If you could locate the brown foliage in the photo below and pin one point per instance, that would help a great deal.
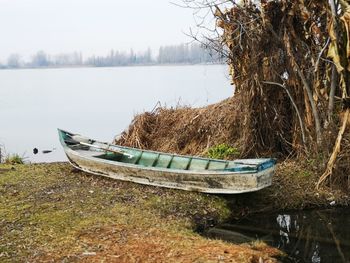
(289, 43)
(280, 43)
(184, 130)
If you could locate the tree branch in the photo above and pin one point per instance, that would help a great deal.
(301, 123)
(312, 102)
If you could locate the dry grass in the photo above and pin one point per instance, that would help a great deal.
(50, 213)
(183, 130)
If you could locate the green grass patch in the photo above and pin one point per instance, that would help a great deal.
(14, 159)
(222, 151)
(46, 208)
(304, 174)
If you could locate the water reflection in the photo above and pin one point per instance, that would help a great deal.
(307, 236)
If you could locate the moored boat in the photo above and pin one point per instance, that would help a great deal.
(165, 169)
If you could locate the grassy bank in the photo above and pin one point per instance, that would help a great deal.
(49, 212)
(293, 188)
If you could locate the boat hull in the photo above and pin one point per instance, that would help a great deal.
(206, 182)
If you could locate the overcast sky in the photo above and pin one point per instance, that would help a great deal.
(90, 26)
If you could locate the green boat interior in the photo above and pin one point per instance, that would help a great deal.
(161, 160)
(178, 162)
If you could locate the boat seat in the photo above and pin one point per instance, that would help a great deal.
(147, 159)
(136, 155)
(198, 164)
(163, 160)
(179, 162)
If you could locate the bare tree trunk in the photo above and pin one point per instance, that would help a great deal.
(334, 69)
(332, 94)
(312, 103)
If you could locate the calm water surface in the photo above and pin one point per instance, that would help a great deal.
(318, 236)
(96, 102)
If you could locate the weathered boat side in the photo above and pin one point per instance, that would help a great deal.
(207, 181)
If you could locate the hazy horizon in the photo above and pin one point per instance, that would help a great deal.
(90, 26)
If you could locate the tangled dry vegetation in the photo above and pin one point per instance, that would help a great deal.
(290, 59)
(183, 130)
(290, 68)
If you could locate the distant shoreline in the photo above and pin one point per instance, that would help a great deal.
(119, 66)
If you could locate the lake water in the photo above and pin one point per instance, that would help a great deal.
(96, 102)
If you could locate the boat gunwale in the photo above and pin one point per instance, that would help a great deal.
(172, 154)
(146, 181)
(183, 155)
(255, 173)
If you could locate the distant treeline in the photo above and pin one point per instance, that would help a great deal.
(176, 54)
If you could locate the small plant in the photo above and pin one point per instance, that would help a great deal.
(14, 159)
(304, 174)
(222, 151)
(1, 153)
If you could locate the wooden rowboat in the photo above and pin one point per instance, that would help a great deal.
(165, 169)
